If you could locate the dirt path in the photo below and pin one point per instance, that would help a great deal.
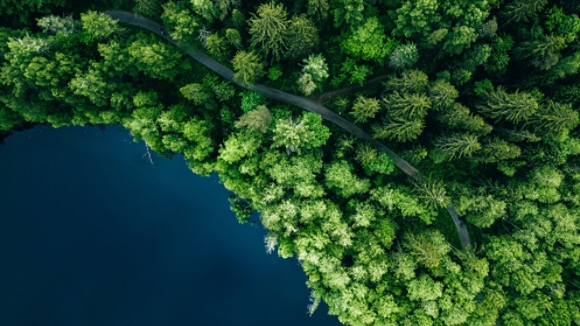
(305, 103)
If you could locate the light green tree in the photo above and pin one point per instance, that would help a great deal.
(269, 30)
(257, 120)
(248, 67)
(365, 108)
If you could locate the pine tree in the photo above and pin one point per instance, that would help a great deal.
(516, 107)
(411, 81)
(399, 129)
(498, 150)
(318, 9)
(248, 67)
(365, 108)
(442, 94)
(407, 106)
(425, 250)
(404, 56)
(234, 38)
(459, 116)
(217, 47)
(269, 30)
(456, 146)
(366, 154)
(196, 93)
(432, 192)
(301, 38)
(555, 120)
(523, 10)
(99, 26)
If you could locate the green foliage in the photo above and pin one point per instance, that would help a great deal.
(516, 107)
(407, 106)
(315, 65)
(411, 81)
(242, 209)
(195, 93)
(455, 146)
(488, 112)
(257, 120)
(248, 67)
(234, 37)
(251, 100)
(99, 26)
(523, 10)
(367, 42)
(269, 30)
(217, 47)
(399, 129)
(318, 9)
(365, 108)
(339, 177)
(182, 23)
(274, 73)
(458, 116)
(61, 25)
(404, 56)
(302, 37)
(307, 132)
(9, 119)
(349, 12)
(306, 84)
(156, 58)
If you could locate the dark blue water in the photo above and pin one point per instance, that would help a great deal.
(92, 234)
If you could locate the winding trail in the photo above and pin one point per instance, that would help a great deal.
(312, 105)
(322, 97)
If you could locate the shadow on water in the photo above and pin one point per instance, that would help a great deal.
(92, 234)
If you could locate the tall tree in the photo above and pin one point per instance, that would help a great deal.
(269, 30)
(248, 67)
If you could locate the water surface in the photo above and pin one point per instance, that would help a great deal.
(92, 234)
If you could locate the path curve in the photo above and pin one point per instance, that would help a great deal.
(302, 102)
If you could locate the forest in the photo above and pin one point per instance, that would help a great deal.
(419, 158)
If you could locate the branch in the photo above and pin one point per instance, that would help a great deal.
(148, 153)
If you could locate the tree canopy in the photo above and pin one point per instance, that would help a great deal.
(481, 97)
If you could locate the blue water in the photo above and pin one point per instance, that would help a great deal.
(92, 234)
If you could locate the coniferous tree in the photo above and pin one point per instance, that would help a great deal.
(217, 47)
(456, 146)
(365, 108)
(399, 129)
(516, 107)
(248, 67)
(407, 106)
(459, 116)
(431, 191)
(404, 56)
(442, 94)
(269, 30)
(301, 38)
(234, 38)
(523, 10)
(555, 120)
(411, 81)
(318, 9)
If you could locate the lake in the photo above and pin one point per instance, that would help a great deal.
(93, 234)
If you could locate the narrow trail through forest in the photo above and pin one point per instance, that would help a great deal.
(310, 104)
